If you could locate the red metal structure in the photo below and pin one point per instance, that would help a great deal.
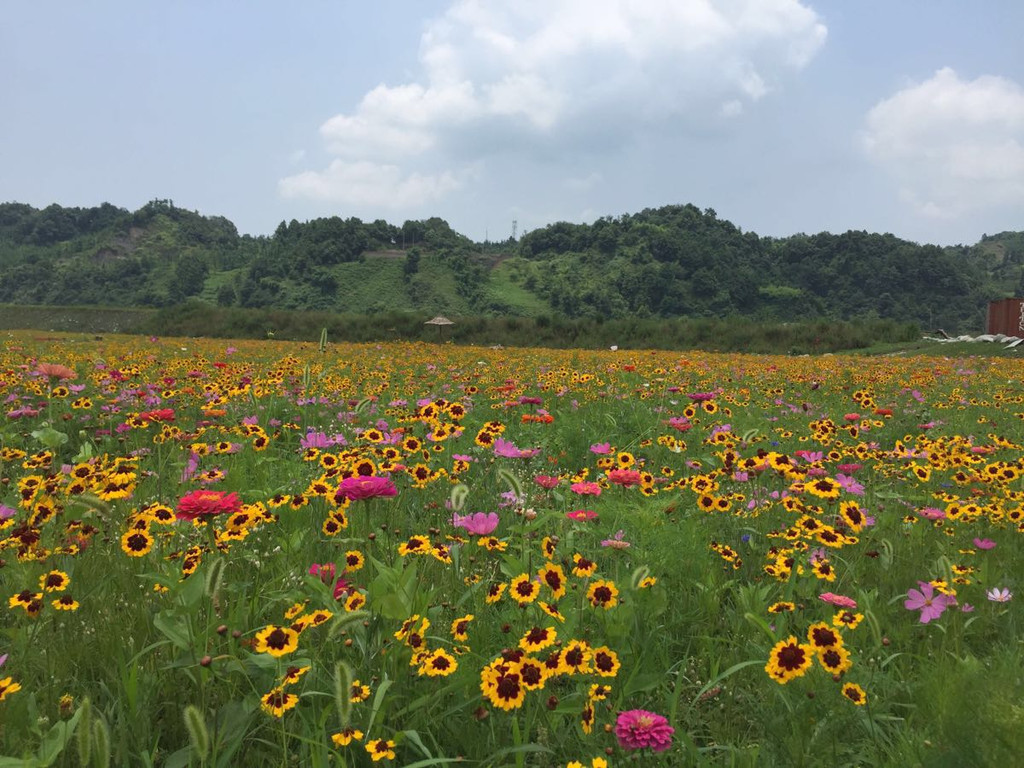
(1006, 316)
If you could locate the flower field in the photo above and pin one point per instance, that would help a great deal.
(269, 553)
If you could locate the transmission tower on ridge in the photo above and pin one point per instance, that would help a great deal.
(515, 227)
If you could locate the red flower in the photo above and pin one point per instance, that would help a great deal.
(359, 488)
(207, 503)
(582, 515)
(624, 477)
(160, 414)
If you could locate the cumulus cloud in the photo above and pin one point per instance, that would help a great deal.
(952, 145)
(363, 182)
(558, 78)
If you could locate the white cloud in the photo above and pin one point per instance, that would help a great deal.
(365, 183)
(560, 78)
(952, 145)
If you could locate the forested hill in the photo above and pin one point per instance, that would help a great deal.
(670, 261)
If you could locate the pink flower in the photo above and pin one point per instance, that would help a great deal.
(207, 503)
(984, 543)
(478, 524)
(6, 512)
(56, 371)
(680, 422)
(850, 485)
(582, 515)
(997, 595)
(849, 469)
(640, 729)
(624, 477)
(342, 588)
(617, 542)
(546, 481)
(325, 571)
(700, 397)
(360, 488)
(838, 600)
(932, 513)
(586, 489)
(601, 448)
(926, 600)
(507, 449)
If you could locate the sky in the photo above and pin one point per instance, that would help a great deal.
(784, 116)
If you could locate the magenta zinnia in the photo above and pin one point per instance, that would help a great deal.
(361, 487)
(207, 503)
(640, 729)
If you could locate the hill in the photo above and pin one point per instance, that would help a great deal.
(673, 261)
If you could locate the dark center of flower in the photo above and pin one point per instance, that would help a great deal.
(791, 657)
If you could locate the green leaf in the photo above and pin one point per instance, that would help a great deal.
(174, 628)
(414, 737)
(56, 739)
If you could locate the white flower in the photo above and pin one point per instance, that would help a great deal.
(997, 595)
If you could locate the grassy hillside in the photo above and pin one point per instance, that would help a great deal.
(672, 262)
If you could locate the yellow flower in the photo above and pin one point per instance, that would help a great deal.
(381, 749)
(346, 737)
(277, 641)
(277, 702)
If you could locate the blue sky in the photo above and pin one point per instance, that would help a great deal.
(783, 115)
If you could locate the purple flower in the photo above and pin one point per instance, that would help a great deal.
(359, 488)
(984, 543)
(601, 448)
(478, 524)
(931, 604)
(321, 440)
(6, 512)
(507, 449)
(850, 485)
(640, 729)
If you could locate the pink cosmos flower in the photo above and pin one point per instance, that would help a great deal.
(507, 449)
(850, 485)
(931, 604)
(848, 469)
(601, 448)
(360, 488)
(840, 601)
(478, 524)
(984, 543)
(997, 595)
(582, 515)
(640, 729)
(680, 422)
(321, 440)
(6, 512)
(932, 513)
